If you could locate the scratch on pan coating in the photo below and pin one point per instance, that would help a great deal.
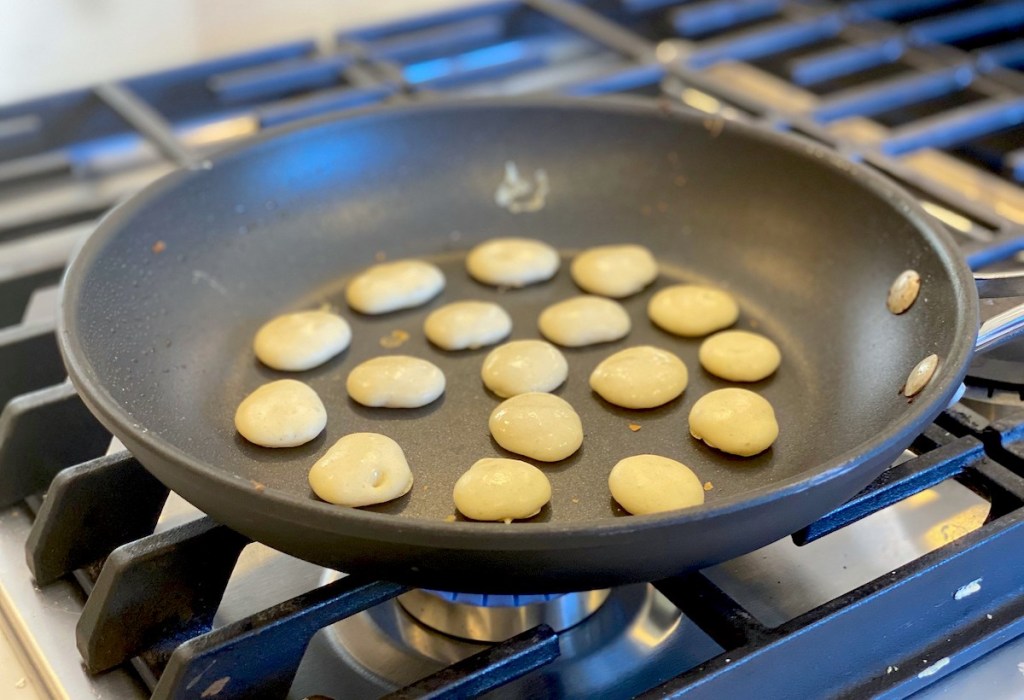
(1020, 667)
(518, 194)
(216, 286)
(202, 673)
(934, 668)
(214, 688)
(968, 589)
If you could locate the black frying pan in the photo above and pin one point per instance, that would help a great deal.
(161, 304)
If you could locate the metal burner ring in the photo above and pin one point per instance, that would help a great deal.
(491, 622)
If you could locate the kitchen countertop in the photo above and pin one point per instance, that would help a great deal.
(14, 682)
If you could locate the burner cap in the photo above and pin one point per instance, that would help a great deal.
(490, 600)
(494, 618)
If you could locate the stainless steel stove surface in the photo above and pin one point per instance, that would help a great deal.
(913, 587)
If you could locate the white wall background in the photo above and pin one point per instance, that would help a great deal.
(51, 45)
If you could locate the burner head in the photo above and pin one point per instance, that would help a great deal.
(495, 618)
(636, 637)
(488, 600)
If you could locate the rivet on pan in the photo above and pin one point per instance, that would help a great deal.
(903, 292)
(920, 375)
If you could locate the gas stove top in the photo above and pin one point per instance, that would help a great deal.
(900, 591)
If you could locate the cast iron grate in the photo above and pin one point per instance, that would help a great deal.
(857, 67)
(153, 596)
(901, 98)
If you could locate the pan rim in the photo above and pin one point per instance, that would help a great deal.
(352, 522)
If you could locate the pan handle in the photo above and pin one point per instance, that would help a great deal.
(1009, 324)
(1000, 329)
(999, 285)
(1003, 327)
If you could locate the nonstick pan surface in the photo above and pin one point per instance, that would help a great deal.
(160, 307)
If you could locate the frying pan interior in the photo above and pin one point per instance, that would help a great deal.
(162, 306)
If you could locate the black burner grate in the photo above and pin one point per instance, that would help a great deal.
(835, 72)
(153, 598)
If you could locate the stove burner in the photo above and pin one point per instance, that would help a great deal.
(490, 600)
(1000, 371)
(496, 618)
(635, 634)
(816, 70)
